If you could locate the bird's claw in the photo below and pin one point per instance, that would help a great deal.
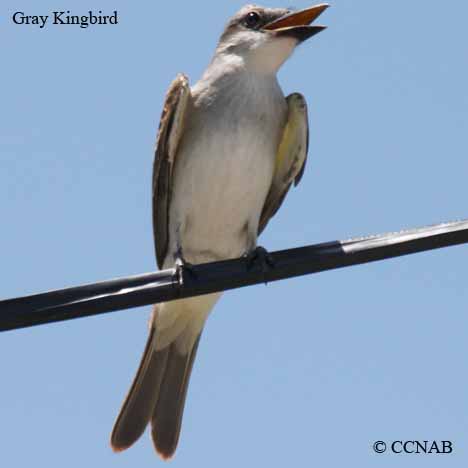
(260, 256)
(182, 266)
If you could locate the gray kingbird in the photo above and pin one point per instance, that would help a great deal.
(227, 152)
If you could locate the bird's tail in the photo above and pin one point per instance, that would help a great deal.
(158, 392)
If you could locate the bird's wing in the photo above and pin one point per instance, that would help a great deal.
(290, 159)
(169, 134)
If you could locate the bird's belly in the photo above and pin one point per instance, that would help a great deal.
(220, 188)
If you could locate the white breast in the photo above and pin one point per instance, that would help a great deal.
(224, 168)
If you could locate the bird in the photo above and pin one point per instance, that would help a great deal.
(227, 152)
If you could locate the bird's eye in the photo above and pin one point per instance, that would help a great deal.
(252, 20)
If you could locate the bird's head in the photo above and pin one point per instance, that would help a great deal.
(266, 37)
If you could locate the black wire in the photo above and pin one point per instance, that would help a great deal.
(151, 288)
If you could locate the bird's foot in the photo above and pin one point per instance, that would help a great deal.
(261, 257)
(182, 266)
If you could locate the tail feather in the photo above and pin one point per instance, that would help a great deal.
(158, 395)
(142, 397)
(167, 415)
(158, 392)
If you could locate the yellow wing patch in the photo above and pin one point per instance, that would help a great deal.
(290, 159)
(292, 151)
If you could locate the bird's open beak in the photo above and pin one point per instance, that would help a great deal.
(298, 23)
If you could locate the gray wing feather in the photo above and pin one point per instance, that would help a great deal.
(169, 134)
(291, 158)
